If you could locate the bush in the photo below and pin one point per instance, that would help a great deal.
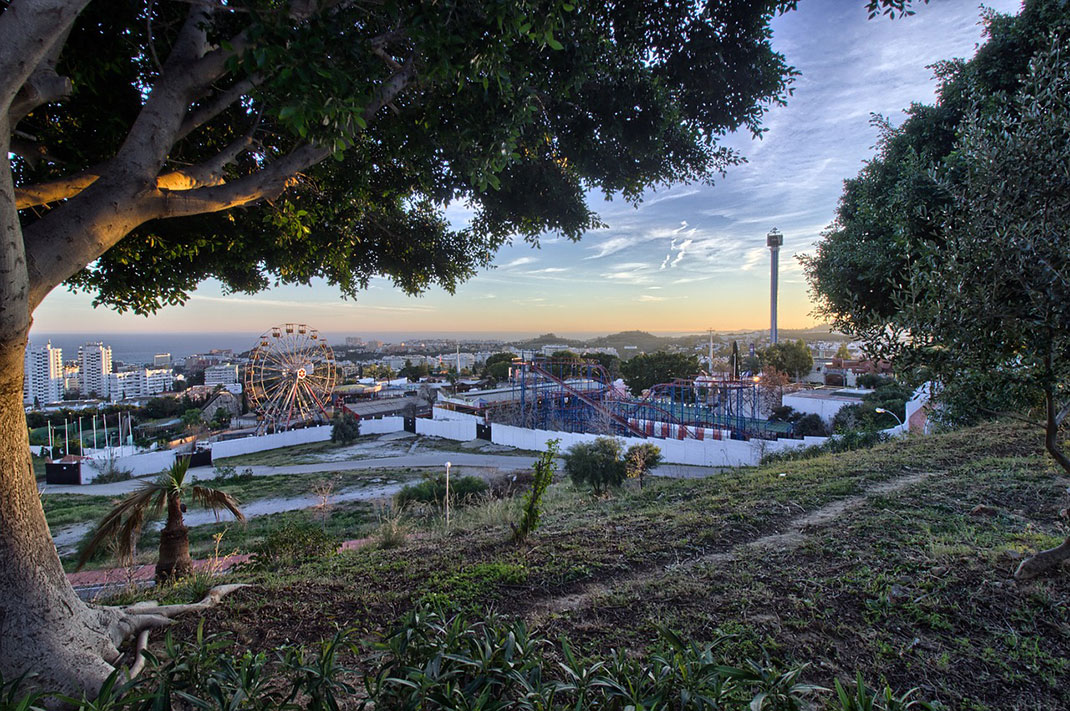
(845, 442)
(112, 473)
(230, 473)
(345, 427)
(811, 426)
(432, 490)
(293, 542)
(597, 464)
(640, 459)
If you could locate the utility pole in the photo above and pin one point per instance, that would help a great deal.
(774, 240)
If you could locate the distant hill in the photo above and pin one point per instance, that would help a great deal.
(629, 343)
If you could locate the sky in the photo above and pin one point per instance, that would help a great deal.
(690, 257)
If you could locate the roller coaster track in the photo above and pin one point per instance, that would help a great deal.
(602, 409)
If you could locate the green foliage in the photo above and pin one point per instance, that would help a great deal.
(345, 427)
(542, 476)
(791, 357)
(811, 425)
(432, 490)
(497, 366)
(598, 464)
(294, 542)
(229, 474)
(608, 361)
(493, 123)
(843, 442)
(953, 234)
(648, 369)
(112, 473)
(414, 372)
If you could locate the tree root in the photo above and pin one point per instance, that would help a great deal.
(1043, 561)
(139, 619)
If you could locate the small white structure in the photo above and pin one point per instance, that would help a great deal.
(823, 403)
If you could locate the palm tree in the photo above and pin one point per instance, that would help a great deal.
(123, 523)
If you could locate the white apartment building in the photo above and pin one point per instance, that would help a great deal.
(161, 360)
(42, 378)
(221, 375)
(158, 380)
(139, 382)
(94, 367)
(126, 384)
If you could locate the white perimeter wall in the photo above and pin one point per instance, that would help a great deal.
(706, 453)
(462, 427)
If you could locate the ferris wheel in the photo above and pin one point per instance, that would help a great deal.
(290, 377)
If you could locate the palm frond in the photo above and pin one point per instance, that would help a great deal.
(123, 523)
(216, 500)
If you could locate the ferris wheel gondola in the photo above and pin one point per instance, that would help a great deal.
(290, 377)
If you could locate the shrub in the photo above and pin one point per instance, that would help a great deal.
(597, 464)
(293, 542)
(543, 471)
(345, 427)
(230, 473)
(811, 426)
(112, 473)
(432, 490)
(845, 442)
(640, 459)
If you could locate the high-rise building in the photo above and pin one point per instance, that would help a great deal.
(161, 360)
(42, 379)
(94, 367)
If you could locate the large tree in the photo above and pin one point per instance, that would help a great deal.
(144, 134)
(981, 292)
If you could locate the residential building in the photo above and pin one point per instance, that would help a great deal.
(221, 375)
(161, 360)
(126, 384)
(94, 367)
(158, 380)
(42, 379)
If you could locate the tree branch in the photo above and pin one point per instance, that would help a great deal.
(30, 31)
(215, 106)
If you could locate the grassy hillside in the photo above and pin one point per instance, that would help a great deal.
(894, 562)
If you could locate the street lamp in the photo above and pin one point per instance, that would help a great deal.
(447, 496)
(883, 412)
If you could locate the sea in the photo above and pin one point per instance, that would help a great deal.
(139, 348)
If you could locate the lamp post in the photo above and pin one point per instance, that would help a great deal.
(447, 496)
(889, 412)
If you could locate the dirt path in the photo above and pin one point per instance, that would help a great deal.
(791, 538)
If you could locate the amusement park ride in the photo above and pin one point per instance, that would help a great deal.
(573, 396)
(290, 378)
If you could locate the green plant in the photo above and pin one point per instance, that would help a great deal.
(432, 490)
(293, 542)
(597, 464)
(112, 472)
(392, 531)
(345, 427)
(230, 473)
(543, 471)
(124, 522)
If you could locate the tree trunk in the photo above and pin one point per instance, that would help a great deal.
(175, 561)
(1053, 557)
(44, 626)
